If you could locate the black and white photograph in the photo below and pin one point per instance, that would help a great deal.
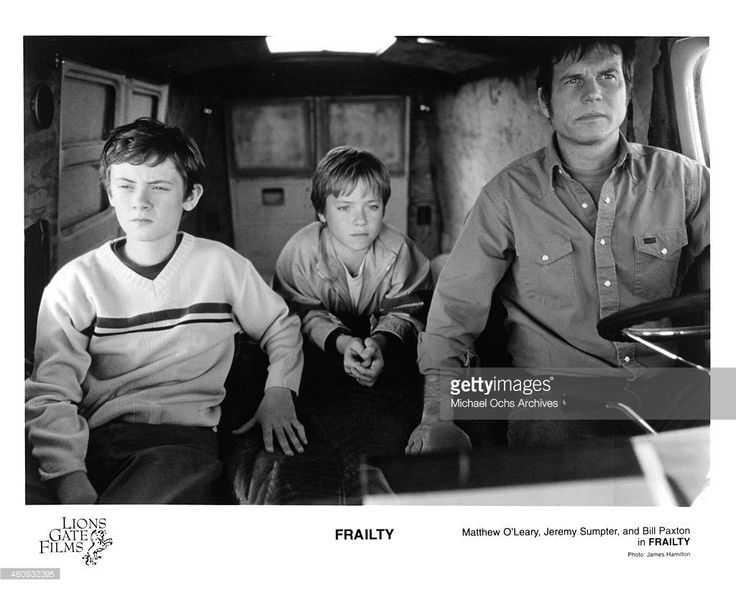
(323, 303)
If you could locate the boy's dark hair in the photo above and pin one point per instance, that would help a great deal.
(340, 171)
(576, 48)
(146, 140)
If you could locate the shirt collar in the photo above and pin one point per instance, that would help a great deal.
(553, 162)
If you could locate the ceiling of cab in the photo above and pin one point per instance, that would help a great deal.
(244, 65)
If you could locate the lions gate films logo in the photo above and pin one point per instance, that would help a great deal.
(86, 536)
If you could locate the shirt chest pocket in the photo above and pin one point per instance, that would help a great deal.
(546, 271)
(657, 258)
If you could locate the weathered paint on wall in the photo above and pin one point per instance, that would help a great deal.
(477, 131)
(41, 149)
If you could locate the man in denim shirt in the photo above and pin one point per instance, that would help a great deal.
(583, 228)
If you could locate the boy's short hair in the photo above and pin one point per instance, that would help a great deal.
(576, 48)
(340, 171)
(148, 140)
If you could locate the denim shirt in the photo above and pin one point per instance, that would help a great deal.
(560, 263)
(396, 280)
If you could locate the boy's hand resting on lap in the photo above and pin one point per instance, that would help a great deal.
(362, 359)
(276, 415)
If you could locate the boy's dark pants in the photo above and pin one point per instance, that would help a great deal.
(347, 423)
(145, 464)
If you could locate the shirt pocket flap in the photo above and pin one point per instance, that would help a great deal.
(545, 251)
(661, 244)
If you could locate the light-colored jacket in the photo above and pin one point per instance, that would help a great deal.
(396, 284)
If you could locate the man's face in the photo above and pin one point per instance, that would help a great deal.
(149, 200)
(354, 219)
(588, 98)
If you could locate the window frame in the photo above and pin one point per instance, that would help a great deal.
(687, 58)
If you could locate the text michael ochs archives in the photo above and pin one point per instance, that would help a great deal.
(497, 392)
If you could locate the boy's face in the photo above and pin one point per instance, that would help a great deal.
(149, 200)
(354, 219)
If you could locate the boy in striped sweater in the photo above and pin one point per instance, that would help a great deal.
(135, 340)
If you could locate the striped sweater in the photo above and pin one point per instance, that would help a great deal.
(113, 345)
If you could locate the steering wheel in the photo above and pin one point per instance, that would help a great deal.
(620, 325)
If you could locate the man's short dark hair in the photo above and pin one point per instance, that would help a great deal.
(341, 169)
(576, 48)
(149, 141)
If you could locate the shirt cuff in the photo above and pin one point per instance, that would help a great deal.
(331, 340)
(394, 343)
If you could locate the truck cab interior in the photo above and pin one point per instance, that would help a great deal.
(445, 114)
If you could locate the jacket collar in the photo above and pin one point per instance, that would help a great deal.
(379, 259)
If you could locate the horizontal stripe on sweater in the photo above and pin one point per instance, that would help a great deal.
(164, 319)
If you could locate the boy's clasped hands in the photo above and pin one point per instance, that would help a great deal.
(362, 359)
